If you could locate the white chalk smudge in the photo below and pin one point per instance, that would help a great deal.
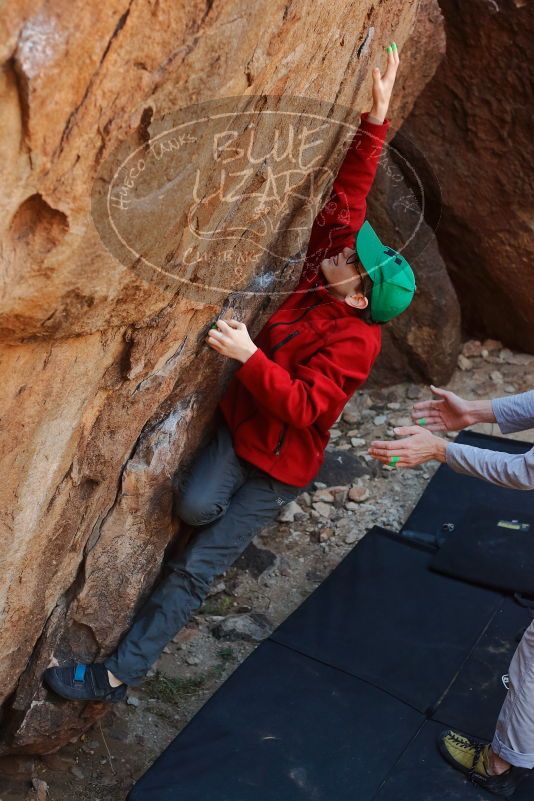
(40, 42)
(263, 281)
(300, 777)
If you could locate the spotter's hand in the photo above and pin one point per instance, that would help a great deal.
(231, 339)
(417, 447)
(448, 412)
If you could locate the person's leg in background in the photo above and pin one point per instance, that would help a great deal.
(513, 741)
(501, 765)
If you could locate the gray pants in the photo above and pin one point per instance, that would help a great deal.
(231, 500)
(514, 735)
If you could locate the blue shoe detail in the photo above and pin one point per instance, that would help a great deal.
(79, 682)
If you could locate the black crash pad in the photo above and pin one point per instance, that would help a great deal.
(449, 496)
(492, 546)
(286, 725)
(284, 728)
(384, 617)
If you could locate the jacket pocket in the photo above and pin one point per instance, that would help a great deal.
(281, 439)
(284, 341)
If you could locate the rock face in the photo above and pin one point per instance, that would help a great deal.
(474, 120)
(107, 385)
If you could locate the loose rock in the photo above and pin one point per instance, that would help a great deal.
(401, 421)
(41, 789)
(464, 363)
(323, 495)
(305, 498)
(133, 700)
(413, 392)
(76, 771)
(491, 345)
(290, 511)
(358, 494)
(251, 628)
(326, 534)
(472, 348)
(323, 508)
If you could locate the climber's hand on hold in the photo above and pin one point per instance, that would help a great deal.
(232, 339)
(418, 447)
(383, 83)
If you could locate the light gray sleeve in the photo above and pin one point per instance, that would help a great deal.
(515, 471)
(514, 412)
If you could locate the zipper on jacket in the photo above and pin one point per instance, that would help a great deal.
(283, 341)
(281, 439)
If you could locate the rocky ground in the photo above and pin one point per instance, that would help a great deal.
(283, 566)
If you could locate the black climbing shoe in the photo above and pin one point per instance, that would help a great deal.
(471, 756)
(83, 683)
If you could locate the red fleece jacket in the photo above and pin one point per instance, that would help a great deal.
(315, 350)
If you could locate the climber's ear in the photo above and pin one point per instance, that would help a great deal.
(357, 301)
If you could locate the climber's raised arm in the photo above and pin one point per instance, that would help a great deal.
(344, 212)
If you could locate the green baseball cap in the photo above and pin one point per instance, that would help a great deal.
(392, 277)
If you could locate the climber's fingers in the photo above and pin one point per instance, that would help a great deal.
(216, 340)
(392, 62)
(232, 324)
(219, 339)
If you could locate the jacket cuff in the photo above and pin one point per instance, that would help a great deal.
(379, 129)
(250, 368)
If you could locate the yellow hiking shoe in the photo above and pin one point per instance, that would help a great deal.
(472, 757)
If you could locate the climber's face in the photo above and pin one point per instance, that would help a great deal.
(347, 279)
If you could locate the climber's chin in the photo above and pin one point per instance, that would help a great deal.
(327, 267)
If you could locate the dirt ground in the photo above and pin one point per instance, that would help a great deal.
(287, 562)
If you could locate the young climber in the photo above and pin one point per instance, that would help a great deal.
(498, 766)
(292, 384)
